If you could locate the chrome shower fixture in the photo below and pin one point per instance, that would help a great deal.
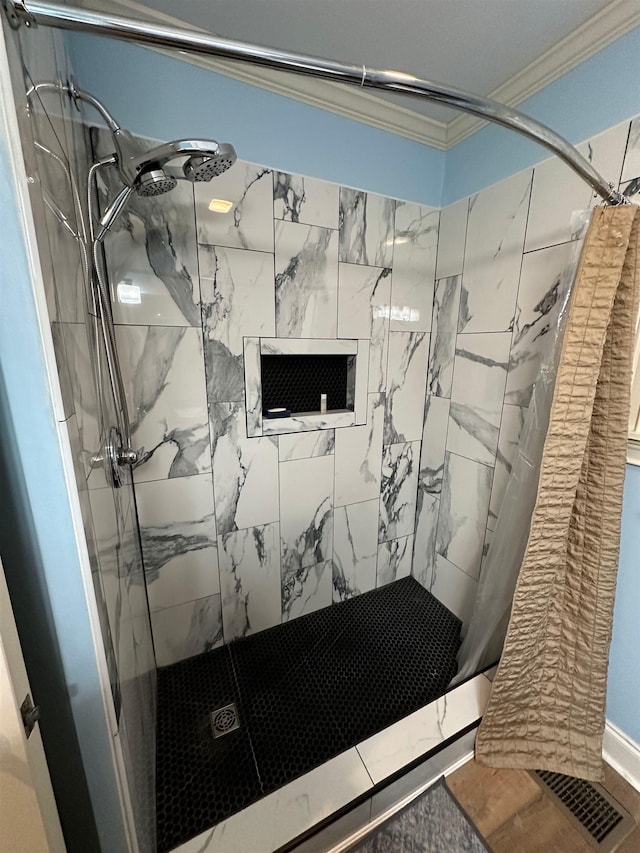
(148, 171)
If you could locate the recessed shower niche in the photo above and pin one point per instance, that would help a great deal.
(294, 373)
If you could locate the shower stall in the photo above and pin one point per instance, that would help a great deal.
(275, 597)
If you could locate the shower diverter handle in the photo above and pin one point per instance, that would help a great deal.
(115, 458)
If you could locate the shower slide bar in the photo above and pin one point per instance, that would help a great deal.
(31, 13)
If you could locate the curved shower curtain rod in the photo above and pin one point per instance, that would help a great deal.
(128, 29)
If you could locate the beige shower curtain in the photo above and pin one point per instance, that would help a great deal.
(547, 704)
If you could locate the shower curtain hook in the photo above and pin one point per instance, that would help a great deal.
(364, 74)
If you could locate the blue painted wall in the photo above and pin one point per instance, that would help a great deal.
(600, 92)
(623, 690)
(164, 98)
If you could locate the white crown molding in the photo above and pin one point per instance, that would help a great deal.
(603, 28)
(622, 753)
(600, 30)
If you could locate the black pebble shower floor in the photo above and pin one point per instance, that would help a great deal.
(305, 691)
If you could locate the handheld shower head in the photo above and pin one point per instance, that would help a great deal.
(154, 181)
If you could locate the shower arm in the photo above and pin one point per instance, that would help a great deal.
(142, 32)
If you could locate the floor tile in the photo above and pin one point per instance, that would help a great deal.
(200, 780)
(306, 691)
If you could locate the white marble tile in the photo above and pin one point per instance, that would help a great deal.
(250, 580)
(355, 549)
(306, 423)
(396, 746)
(163, 371)
(406, 381)
(238, 301)
(73, 355)
(464, 505)
(446, 304)
(434, 439)
(394, 560)
(306, 511)
(546, 277)
(306, 444)
(480, 375)
(358, 455)
(359, 380)
(277, 818)
(152, 247)
(308, 346)
(63, 273)
(366, 228)
(186, 630)
(398, 490)
(451, 239)
(455, 589)
(300, 199)
(305, 590)
(558, 198)
(249, 224)
(253, 386)
(134, 599)
(306, 265)
(559, 194)
(510, 429)
(424, 546)
(57, 222)
(245, 471)
(414, 267)
(364, 298)
(488, 536)
(411, 783)
(107, 552)
(178, 533)
(631, 166)
(493, 253)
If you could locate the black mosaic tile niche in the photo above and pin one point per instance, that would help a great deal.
(304, 691)
(295, 382)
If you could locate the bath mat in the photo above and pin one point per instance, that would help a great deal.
(432, 823)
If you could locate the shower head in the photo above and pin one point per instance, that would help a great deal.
(148, 174)
(205, 167)
(154, 182)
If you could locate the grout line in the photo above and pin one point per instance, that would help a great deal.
(364, 764)
(229, 650)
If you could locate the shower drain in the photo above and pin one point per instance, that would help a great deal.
(225, 720)
(591, 809)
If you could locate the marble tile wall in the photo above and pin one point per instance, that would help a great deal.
(506, 257)
(455, 307)
(57, 156)
(240, 533)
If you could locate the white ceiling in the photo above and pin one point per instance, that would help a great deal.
(477, 45)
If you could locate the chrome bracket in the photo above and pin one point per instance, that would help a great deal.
(17, 14)
(116, 458)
